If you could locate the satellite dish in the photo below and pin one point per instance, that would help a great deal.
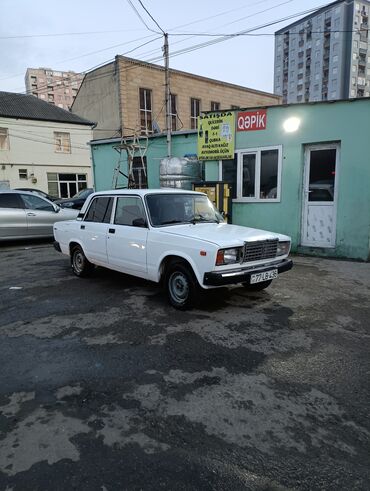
(156, 128)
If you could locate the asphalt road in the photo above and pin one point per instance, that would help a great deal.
(105, 387)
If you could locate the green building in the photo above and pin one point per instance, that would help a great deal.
(302, 170)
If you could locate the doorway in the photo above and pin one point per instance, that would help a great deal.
(320, 195)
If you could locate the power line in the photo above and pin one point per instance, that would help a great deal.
(140, 17)
(60, 34)
(150, 15)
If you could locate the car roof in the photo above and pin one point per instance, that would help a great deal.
(19, 191)
(145, 192)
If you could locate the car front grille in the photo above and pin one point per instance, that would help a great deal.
(262, 249)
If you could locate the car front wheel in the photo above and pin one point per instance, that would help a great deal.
(257, 287)
(181, 285)
(80, 265)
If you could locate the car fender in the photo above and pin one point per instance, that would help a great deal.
(183, 255)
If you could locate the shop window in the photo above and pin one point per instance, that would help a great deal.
(259, 174)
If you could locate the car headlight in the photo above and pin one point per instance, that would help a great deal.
(66, 205)
(228, 256)
(283, 248)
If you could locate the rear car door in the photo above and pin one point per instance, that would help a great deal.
(13, 221)
(94, 229)
(40, 214)
(127, 236)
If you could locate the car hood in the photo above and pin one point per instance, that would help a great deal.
(222, 234)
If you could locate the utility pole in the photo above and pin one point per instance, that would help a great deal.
(167, 93)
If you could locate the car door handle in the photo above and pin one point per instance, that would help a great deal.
(82, 227)
(31, 214)
(112, 230)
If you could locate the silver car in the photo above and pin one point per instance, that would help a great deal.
(25, 215)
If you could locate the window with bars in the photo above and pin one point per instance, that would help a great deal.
(215, 106)
(62, 142)
(146, 116)
(4, 139)
(194, 112)
(173, 112)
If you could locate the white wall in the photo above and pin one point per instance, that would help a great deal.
(32, 147)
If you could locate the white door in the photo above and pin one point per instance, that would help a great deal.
(127, 236)
(94, 229)
(320, 195)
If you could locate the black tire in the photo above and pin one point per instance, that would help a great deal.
(80, 265)
(257, 287)
(181, 285)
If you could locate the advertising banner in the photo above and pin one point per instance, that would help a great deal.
(216, 136)
(252, 120)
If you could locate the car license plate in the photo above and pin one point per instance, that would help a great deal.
(265, 276)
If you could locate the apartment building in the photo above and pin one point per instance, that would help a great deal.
(55, 87)
(325, 55)
(127, 96)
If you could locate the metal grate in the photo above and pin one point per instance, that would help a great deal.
(263, 249)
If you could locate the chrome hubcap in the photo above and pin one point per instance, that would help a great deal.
(78, 261)
(178, 287)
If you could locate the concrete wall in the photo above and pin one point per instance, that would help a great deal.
(98, 101)
(32, 147)
(344, 122)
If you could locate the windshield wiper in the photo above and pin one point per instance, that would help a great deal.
(202, 218)
(168, 222)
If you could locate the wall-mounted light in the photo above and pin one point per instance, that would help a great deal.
(291, 124)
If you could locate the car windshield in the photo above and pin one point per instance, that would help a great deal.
(84, 193)
(167, 209)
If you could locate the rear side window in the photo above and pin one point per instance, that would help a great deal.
(100, 210)
(8, 200)
(128, 209)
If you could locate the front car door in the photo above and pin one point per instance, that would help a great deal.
(40, 214)
(94, 229)
(126, 241)
(13, 221)
(320, 195)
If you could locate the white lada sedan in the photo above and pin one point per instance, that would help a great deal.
(171, 236)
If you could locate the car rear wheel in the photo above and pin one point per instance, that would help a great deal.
(257, 287)
(181, 285)
(80, 265)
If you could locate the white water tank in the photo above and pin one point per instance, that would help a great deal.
(175, 172)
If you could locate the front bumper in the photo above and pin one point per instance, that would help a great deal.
(231, 277)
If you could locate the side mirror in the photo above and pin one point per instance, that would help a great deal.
(139, 222)
(56, 208)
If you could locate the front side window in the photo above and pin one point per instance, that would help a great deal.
(32, 202)
(4, 139)
(100, 210)
(62, 142)
(194, 112)
(146, 120)
(259, 172)
(129, 209)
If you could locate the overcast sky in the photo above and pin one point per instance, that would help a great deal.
(114, 28)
